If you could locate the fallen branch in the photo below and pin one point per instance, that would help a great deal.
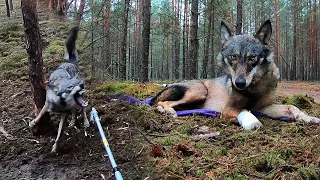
(6, 134)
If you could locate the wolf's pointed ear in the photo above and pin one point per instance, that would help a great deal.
(224, 32)
(264, 33)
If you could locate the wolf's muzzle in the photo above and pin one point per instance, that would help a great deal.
(80, 99)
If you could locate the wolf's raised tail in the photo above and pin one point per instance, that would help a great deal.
(71, 54)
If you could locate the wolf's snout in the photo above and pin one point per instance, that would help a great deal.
(240, 82)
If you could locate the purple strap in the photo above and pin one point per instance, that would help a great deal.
(203, 112)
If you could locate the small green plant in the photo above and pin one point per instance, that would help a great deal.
(169, 140)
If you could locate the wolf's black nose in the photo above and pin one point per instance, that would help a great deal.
(240, 82)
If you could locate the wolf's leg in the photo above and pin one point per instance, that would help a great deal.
(179, 94)
(230, 113)
(279, 111)
(247, 120)
(85, 119)
(55, 145)
(38, 118)
(189, 97)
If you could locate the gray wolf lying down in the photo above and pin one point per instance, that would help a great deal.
(249, 82)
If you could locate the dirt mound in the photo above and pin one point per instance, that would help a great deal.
(79, 156)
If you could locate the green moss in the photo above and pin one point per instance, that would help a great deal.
(269, 161)
(199, 172)
(16, 59)
(57, 42)
(12, 65)
(145, 117)
(112, 88)
(55, 47)
(14, 27)
(18, 56)
(13, 39)
(188, 164)
(309, 173)
(4, 54)
(300, 101)
(16, 34)
(169, 140)
(200, 145)
(140, 91)
(185, 128)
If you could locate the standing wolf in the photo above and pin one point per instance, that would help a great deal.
(65, 89)
(249, 84)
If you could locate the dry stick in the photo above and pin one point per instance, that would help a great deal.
(6, 134)
(142, 133)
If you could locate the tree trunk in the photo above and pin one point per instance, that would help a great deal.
(239, 17)
(277, 34)
(75, 11)
(185, 40)
(34, 50)
(106, 49)
(138, 42)
(51, 5)
(194, 42)
(294, 54)
(212, 71)
(122, 66)
(60, 7)
(80, 11)
(176, 39)
(11, 6)
(207, 41)
(146, 15)
(8, 8)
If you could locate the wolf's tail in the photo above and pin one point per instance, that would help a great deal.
(71, 54)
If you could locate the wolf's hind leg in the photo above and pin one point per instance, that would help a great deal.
(188, 98)
(280, 111)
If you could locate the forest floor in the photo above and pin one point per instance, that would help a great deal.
(146, 145)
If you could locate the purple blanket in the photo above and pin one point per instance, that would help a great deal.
(203, 112)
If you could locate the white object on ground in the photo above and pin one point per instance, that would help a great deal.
(248, 121)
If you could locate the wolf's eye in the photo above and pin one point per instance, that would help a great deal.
(252, 58)
(233, 57)
(70, 86)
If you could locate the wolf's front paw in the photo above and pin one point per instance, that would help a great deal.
(171, 112)
(33, 127)
(86, 124)
(160, 109)
(308, 119)
(311, 119)
(54, 148)
(248, 121)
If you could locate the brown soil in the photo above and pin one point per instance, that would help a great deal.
(311, 89)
